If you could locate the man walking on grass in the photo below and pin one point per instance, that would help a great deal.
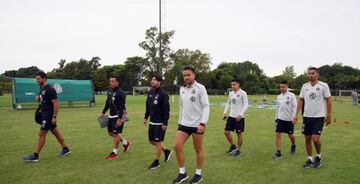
(317, 99)
(48, 109)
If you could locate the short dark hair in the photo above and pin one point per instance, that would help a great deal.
(41, 74)
(189, 68)
(284, 82)
(314, 68)
(158, 78)
(236, 80)
(115, 77)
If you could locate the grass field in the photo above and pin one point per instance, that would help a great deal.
(89, 144)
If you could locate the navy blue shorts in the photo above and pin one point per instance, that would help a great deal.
(233, 125)
(284, 126)
(156, 133)
(188, 130)
(313, 126)
(113, 128)
(47, 124)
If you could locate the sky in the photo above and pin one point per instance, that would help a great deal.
(274, 34)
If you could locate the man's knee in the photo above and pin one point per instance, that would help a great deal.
(42, 133)
(308, 139)
(316, 139)
(198, 149)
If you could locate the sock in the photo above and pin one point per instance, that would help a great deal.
(165, 150)
(36, 155)
(318, 155)
(124, 142)
(65, 148)
(182, 170)
(198, 171)
(115, 151)
(310, 158)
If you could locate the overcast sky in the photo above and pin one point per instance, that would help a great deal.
(274, 34)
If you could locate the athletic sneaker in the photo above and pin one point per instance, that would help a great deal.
(167, 155)
(196, 179)
(64, 152)
(237, 153)
(292, 149)
(231, 149)
(317, 163)
(112, 155)
(180, 178)
(127, 147)
(154, 165)
(277, 155)
(31, 158)
(308, 164)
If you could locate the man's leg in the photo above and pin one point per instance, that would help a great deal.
(278, 141)
(59, 137)
(240, 140)
(180, 139)
(198, 142)
(117, 138)
(41, 142)
(317, 143)
(308, 145)
(228, 137)
(292, 138)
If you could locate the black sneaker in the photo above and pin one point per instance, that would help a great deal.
(292, 149)
(196, 179)
(308, 164)
(180, 178)
(154, 165)
(277, 155)
(317, 163)
(167, 155)
(231, 149)
(237, 153)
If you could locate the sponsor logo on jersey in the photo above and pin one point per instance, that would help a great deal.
(312, 96)
(192, 99)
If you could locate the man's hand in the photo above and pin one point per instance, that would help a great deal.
(327, 120)
(145, 121)
(200, 128)
(119, 122)
(224, 117)
(295, 120)
(163, 127)
(37, 98)
(238, 118)
(54, 120)
(102, 114)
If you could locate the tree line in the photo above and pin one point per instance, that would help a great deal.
(137, 70)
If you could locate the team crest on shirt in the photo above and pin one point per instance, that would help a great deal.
(287, 98)
(193, 91)
(287, 102)
(43, 92)
(156, 102)
(234, 100)
(157, 97)
(238, 95)
(312, 96)
(317, 89)
(192, 99)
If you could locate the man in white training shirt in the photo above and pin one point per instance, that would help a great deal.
(194, 114)
(317, 99)
(237, 103)
(285, 112)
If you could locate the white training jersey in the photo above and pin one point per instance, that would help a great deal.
(286, 106)
(237, 102)
(314, 99)
(194, 105)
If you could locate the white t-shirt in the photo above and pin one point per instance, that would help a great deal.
(237, 102)
(286, 106)
(314, 98)
(194, 105)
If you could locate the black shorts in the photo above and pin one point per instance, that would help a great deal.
(284, 126)
(47, 124)
(156, 133)
(188, 130)
(312, 126)
(233, 125)
(113, 128)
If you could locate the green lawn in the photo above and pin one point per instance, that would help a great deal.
(89, 144)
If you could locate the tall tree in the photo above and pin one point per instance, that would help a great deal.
(151, 45)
